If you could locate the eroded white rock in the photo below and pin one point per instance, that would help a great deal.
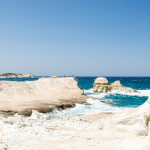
(35, 115)
(45, 117)
(53, 76)
(132, 121)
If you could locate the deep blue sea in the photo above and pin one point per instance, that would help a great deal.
(122, 100)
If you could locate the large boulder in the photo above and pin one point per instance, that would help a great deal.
(42, 95)
(29, 75)
(101, 81)
(101, 84)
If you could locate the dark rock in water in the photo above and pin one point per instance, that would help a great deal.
(86, 103)
(66, 106)
(108, 102)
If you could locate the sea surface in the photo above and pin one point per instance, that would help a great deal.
(120, 99)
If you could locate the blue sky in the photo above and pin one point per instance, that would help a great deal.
(80, 37)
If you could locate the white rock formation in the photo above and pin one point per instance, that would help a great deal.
(29, 75)
(101, 81)
(35, 115)
(53, 76)
(132, 121)
(16, 75)
(102, 85)
(42, 95)
(122, 131)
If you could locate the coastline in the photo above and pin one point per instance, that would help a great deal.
(89, 132)
(105, 130)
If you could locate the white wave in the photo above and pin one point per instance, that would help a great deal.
(99, 95)
(95, 108)
(96, 105)
(88, 91)
(140, 93)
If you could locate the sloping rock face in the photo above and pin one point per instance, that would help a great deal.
(53, 76)
(102, 85)
(133, 121)
(42, 95)
(16, 75)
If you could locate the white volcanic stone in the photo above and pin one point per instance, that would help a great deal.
(116, 84)
(16, 75)
(102, 85)
(45, 117)
(70, 133)
(1, 125)
(101, 81)
(35, 115)
(29, 75)
(42, 95)
(53, 76)
(132, 121)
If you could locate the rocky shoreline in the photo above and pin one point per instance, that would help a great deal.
(42, 95)
(17, 75)
(126, 130)
(120, 131)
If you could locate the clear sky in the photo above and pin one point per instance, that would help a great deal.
(80, 37)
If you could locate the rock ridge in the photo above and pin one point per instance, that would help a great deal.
(101, 84)
(17, 75)
(42, 95)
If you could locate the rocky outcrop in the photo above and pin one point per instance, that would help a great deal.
(53, 76)
(132, 121)
(42, 95)
(29, 75)
(16, 75)
(102, 85)
(101, 81)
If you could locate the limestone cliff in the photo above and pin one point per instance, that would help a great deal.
(102, 85)
(17, 75)
(42, 95)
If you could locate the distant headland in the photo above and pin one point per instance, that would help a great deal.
(17, 75)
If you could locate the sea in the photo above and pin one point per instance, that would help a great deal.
(120, 100)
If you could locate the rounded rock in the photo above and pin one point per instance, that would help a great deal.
(101, 81)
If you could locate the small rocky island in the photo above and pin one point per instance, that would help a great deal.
(17, 75)
(101, 84)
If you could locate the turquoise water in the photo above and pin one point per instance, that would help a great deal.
(121, 100)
